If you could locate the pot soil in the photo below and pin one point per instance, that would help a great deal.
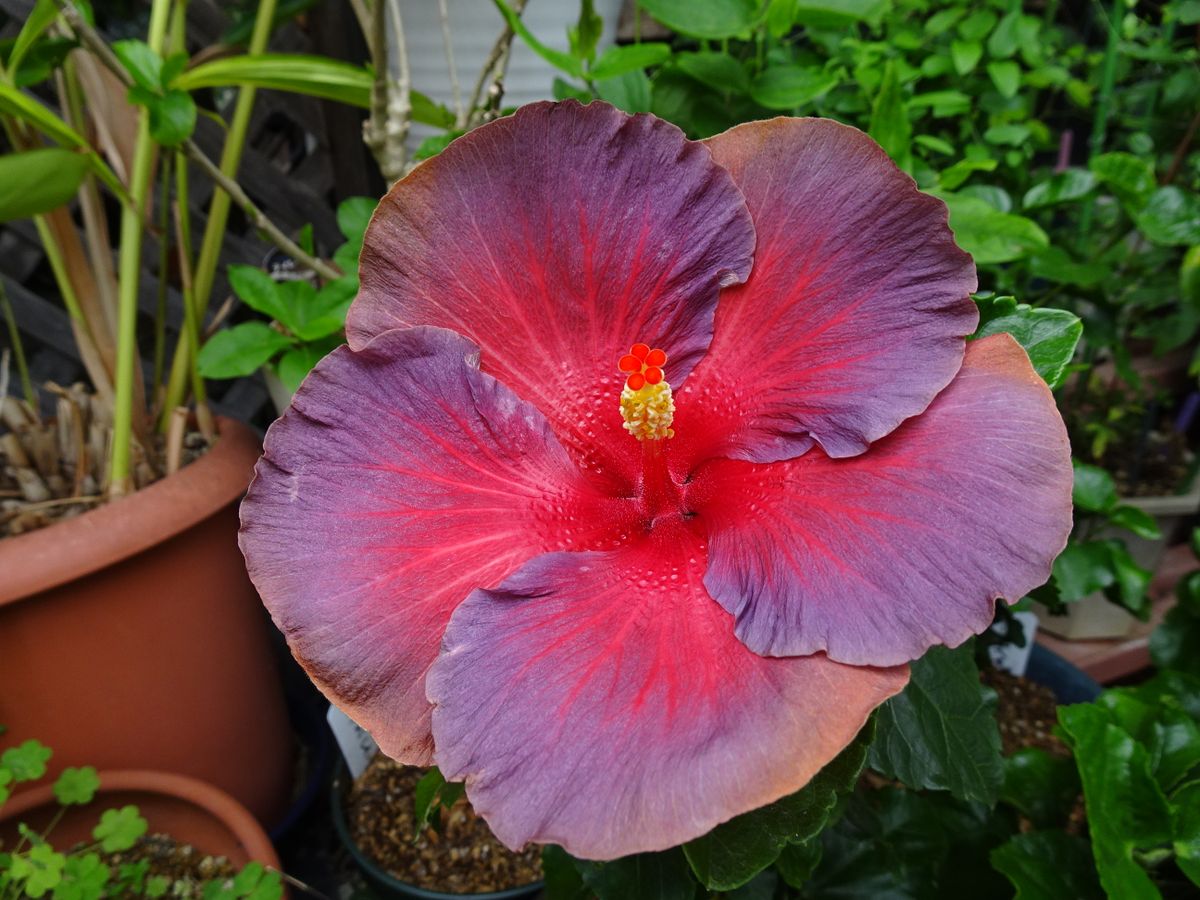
(196, 831)
(131, 637)
(375, 817)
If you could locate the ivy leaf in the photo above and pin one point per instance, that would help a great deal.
(26, 762)
(940, 733)
(241, 350)
(735, 851)
(76, 786)
(1049, 336)
(644, 876)
(1048, 864)
(1126, 809)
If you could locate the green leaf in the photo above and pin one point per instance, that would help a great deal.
(563, 880)
(1185, 825)
(1013, 134)
(564, 90)
(1004, 40)
(711, 19)
(26, 762)
(989, 235)
(797, 862)
(645, 876)
(293, 367)
(157, 886)
(1133, 519)
(37, 181)
(1048, 864)
(787, 86)
(1171, 216)
(936, 144)
(977, 25)
(941, 733)
(953, 176)
(241, 350)
(1125, 807)
(84, 878)
(41, 869)
(141, 62)
(1175, 644)
(1055, 264)
(1048, 335)
(1061, 187)
(1006, 76)
(173, 67)
(965, 55)
(312, 314)
(316, 76)
(44, 13)
(889, 119)
(353, 216)
(585, 34)
(119, 829)
(1082, 569)
(248, 878)
(258, 290)
(838, 14)
(719, 71)
(427, 112)
(619, 60)
(172, 118)
(1130, 177)
(435, 144)
(425, 798)
(1041, 786)
(1130, 581)
(735, 851)
(76, 785)
(1171, 737)
(1094, 489)
(570, 64)
(270, 887)
(629, 92)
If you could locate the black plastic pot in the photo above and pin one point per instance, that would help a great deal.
(388, 885)
(1069, 683)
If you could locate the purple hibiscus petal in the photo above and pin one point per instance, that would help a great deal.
(875, 558)
(399, 480)
(600, 701)
(855, 314)
(555, 238)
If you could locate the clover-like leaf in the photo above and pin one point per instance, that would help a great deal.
(76, 785)
(157, 886)
(40, 870)
(940, 733)
(85, 877)
(26, 762)
(119, 829)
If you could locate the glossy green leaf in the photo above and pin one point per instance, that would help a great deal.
(1171, 737)
(37, 181)
(316, 76)
(1175, 644)
(1061, 187)
(719, 71)
(1130, 177)
(735, 851)
(562, 879)
(710, 19)
(141, 62)
(40, 18)
(1133, 519)
(629, 92)
(1094, 489)
(965, 55)
(786, 87)
(172, 118)
(1125, 807)
(1055, 264)
(989, 235)
(1048, 335)
(1130, 580)
(565, 61)
(1082, 569)
(1171, 217)
(1185, 825)
(76, 786)
(1046, 865)
(646, 876)
(239, 351)
(1042, 786)
(1006, 76)
(889, 119)
(619, 60)
(940, 733)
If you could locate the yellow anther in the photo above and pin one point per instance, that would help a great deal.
(648, 411)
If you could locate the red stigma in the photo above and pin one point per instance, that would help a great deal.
(644, 365)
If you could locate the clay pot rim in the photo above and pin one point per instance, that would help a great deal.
(48, 557)
(220, 805)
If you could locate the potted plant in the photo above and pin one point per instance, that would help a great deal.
(125, 834)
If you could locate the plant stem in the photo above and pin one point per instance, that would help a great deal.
(495, 58)
(191, 322)
(129, 270)
(14, 337)
(1108, 79)
(164, 259)
(455, 91)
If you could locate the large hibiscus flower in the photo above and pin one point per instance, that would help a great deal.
(629, 560)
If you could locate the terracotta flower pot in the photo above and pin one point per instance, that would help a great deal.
(185, 809)
(131, 637)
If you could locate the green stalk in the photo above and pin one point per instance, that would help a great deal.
(1108, 80)
(218, 215)
(191, 323)
(128, 272)
(164, 259)
(18, 351)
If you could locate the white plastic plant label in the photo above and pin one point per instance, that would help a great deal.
(356, 744)
(1010, 657)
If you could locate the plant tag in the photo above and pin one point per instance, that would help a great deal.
(356, 744)
(1011, 658)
